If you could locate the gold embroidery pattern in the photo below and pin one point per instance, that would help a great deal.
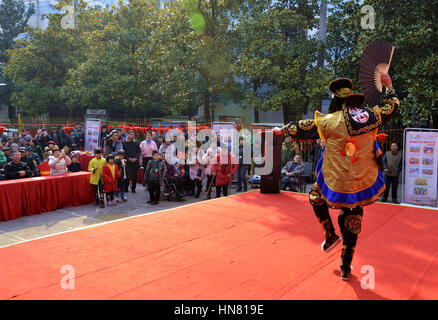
(307, 124)
(353, 222)
(292, 130)
(388, 107)
(363, 129)
(315, 198)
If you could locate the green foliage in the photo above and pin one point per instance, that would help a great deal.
(140, 58)
(13, 20)
(276, 51)
(412, 27)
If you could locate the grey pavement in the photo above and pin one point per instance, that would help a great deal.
(72, 218)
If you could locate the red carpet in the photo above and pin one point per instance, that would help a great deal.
(247, 246)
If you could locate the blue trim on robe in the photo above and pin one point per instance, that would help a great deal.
(347, 198)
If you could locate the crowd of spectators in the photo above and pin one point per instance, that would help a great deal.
(122, 154)
(44, 152)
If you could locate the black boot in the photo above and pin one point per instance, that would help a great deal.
(350, 223)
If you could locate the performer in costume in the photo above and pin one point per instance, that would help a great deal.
(348, 174)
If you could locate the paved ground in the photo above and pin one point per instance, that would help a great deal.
(71, 218)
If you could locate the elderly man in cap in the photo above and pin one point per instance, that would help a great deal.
(44, 138)
(16, 169)
(55, 136)
(29, 161)
(33, 155)
(7, 152)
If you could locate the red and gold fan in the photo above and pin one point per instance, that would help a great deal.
(375, 62)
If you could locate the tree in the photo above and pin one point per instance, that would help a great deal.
(412, 27)
(116, 70)
(278, 52)
(40, 63)
(13, 19)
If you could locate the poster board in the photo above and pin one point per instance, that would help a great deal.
(92, 134)
(420, 169)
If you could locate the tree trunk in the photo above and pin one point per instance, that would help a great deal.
(256, 111)
(286, 116)
(207, 106)
(11, 111)
(256, 115)
(322, 38)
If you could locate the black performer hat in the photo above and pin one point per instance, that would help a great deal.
(341, 87)
(354, 100)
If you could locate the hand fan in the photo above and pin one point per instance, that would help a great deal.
(374, 62)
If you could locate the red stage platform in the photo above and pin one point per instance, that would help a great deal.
(247, 246)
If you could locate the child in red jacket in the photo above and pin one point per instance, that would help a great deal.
(110, 174)
(224, 170)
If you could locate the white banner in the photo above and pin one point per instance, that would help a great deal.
(421, 167)
(92, 134)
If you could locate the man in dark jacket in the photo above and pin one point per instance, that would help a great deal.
(31, 163)
(72, 141)
(132, 153)
(392, 166)
(290, 173)
(243, 168)
(16, 169)
(54, 136)
(44, 138)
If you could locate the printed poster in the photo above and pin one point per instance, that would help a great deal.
(92, 134)
(421, 166)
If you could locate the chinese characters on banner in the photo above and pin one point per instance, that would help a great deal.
(92, 132)
(421, 166)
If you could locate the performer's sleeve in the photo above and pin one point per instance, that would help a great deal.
(303, 129)
(389, 105)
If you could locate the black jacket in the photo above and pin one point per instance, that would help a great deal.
(55, 137)
(43, 140)
(12, 170)
(132, 149)
(74, 167)
(29, 161)
(123, 172)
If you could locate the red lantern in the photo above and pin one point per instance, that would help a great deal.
(2, 129)
(111, 127)
(120, 126)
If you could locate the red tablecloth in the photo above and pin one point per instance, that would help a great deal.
(84, 160)
(25, 197)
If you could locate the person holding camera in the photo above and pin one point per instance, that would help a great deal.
(58, 162)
